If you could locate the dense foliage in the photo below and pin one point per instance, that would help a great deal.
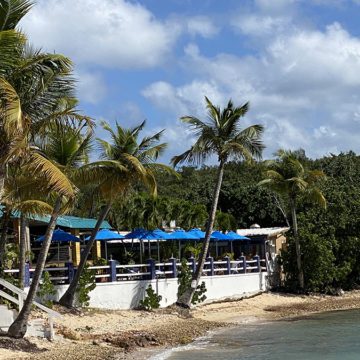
(330, 241)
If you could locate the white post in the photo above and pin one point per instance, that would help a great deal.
(51, 328)
(21, 301)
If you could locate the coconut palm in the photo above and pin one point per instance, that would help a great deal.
(24, 193)
(290, 179)
(58, 156)
(127, 161)
(220, 135)
(32, 85)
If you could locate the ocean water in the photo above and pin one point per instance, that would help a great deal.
(327, 336)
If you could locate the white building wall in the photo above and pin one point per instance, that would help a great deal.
(127, 294)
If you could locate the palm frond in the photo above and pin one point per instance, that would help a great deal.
(10, 108)
(12, 11)
(57, 180)
(34, 207)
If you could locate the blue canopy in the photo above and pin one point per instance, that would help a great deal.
(197, 232)
(217, 235)
(182, 235)
(156, 234)
(106, 234)
(136, 234)
(143, 234)
(60, 236)
(235, 236)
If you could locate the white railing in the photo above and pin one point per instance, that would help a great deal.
(115, 272)
(21, 296)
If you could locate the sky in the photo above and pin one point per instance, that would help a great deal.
(296, 61)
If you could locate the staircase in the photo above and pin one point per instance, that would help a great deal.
(36, 327)
(7, 316)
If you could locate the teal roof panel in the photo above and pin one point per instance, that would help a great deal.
(72, 222)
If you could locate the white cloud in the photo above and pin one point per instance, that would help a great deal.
(201, 25)
(91, 87)
(260, 25)
(303, 86)
(113, 33)
(275, 6)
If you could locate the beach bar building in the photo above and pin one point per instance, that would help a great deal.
(36, 226)
(263, 240)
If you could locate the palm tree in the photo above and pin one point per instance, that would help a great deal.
(32, 85)
(290, 179)
(57, 156)
(126, 162)
(34, 88)
(221, 136)
(23, 193)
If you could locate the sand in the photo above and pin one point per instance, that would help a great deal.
(95, 334)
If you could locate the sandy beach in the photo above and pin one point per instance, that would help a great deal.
(95, 334)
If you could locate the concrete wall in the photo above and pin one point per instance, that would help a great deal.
(127, 294)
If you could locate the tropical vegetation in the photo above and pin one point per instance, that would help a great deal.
(48, 166)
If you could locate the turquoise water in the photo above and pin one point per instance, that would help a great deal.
(329, 336)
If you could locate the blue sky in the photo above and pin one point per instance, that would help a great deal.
(296, 61)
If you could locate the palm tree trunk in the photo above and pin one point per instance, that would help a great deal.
(68, 299)
(185, 299)
(297, 244)
(2, 179)
(22, 251)
(19, 326)
(3, 236)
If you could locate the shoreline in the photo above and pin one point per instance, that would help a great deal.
(130, 334)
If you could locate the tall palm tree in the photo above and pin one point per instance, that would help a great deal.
(290, 179)
(32, 85)
(220, 135)
(59, 154)
(126, 162)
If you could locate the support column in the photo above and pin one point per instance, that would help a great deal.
(257, 258)
(96, 250)
(173, 267)
(243, 259)
(151, 269)
(210, 259)
(75, 248)
(228, 265)
(112, 270)
(75, 253)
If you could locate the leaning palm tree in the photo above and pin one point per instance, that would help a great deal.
(290, 179)
(126, 162)
(57, 157)
(220, 135)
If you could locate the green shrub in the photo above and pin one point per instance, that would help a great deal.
(184, 282)
(87, 283)
(46, 289)
(151, 300)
